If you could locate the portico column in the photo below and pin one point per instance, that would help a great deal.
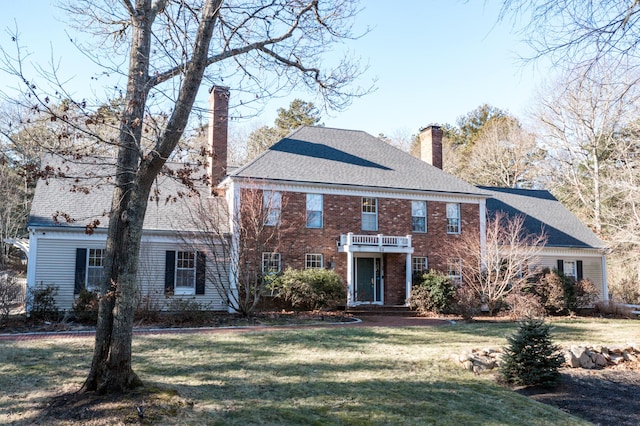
(408, 273)
(350, 283)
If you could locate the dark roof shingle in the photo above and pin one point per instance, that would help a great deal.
(348, 157)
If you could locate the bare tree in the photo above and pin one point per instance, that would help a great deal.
(581, 116)
(260, 235)
(169, 46)
(504, 155)
(578, 31)
(506, 261)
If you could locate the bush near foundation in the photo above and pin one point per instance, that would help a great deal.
(433, 292)
(309, 288)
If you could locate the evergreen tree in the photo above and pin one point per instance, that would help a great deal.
(531, 358)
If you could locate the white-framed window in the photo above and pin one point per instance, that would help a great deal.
(314, 210)
(453, 218)
(272, 205)
(270, 263)
(570, 269)
(313, 261)
(369, 214)
(419, 216)
(419, 265)
(95, 269)
(454, 270)
(185, 282)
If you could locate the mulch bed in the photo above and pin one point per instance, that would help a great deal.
(609, 396)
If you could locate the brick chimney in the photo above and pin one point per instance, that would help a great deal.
(217, 132)
(431, 145)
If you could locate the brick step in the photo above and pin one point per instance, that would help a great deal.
(380, 310)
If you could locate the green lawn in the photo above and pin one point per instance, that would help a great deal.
(350, 376)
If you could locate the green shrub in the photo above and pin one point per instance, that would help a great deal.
(42, 303)
(85, 307)
(531, 358)
(309, 288)
(434, 292)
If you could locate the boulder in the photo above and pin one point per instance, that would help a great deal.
(571, 360)
(600, 360)
(585, 360)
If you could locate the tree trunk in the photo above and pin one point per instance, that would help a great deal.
(111, 365)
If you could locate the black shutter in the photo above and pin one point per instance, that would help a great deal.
(201, 271)
(561, 266)
(81, 270)
(579, 270)
(169, 272)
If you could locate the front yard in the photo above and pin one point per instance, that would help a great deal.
(335, 375)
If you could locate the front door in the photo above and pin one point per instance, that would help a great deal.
(368, 283)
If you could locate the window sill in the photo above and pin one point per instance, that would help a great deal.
(184, 291)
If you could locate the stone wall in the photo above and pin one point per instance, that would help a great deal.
(589, 357)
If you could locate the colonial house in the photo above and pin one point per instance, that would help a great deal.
(373, 213)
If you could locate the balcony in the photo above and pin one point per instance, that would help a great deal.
(375, 243)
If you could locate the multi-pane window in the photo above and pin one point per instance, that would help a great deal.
(272, 205)
(313, 261)
(185, 272)
(420, 265)
(95, 269)
(454, 270)
(419, 216)
(270, 263)
(570, 269)
(314, 210)
(453, 218)
(369, 214)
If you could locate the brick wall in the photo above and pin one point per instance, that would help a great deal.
(342, 214)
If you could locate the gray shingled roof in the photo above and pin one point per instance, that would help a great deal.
(543, 211)
(66, 196)
(348, 157)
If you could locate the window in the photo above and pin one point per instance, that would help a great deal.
(270, 263)
(185, 273)
(314, 210)
(419, 216)
(369, 214)
(95, 269)
(453, 218)
(272, 205)
(420, 265)
(454, 270)
(570, 269)
(313, 261)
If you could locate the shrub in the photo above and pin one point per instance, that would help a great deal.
(183, 311)
(42, 303)
(524, 304)
(85, 307)
(434, 292)
(627, 291)
(467, 303)
(309, 288)
(561, 294)
(531, 358)
(10, 294)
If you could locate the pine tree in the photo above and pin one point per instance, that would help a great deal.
(531, 358)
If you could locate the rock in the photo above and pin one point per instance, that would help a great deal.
(465, 357)
(585, 360)
(600, 360)
(629, 356)
(571, 360)
(616, 359)
(468, 365)
(578, 351)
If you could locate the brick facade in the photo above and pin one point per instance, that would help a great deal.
(342, 214)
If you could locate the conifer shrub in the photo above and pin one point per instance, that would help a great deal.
(433, 292)
(530, 357)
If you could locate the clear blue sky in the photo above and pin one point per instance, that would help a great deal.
(434, 60)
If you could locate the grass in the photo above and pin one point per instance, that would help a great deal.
(324, 376)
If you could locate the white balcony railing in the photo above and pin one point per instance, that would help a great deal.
(380, 240)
